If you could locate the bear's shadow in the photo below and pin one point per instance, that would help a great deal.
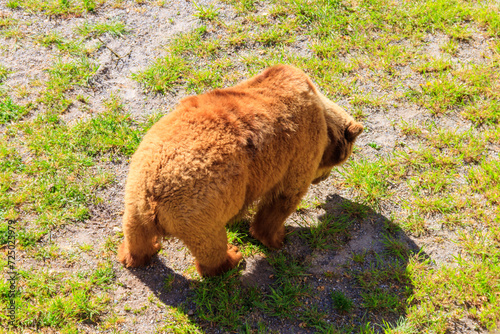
(366, 234)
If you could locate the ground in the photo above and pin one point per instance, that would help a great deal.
(403, 238)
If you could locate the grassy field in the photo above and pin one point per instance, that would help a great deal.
(423, 184)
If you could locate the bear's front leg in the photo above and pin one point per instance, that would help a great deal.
(268, 226)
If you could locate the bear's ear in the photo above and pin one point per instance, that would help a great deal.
(353, 130)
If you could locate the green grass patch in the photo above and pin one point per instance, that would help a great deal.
(466, 289)
(222, 300)
(63, 76)
(443, 94)
(284, 300)
(381, 300)
(189, 43)
(54, 299)
(486, 112)
(50, 38)
(432, 181)
(276, 35)
(57, 182)
(181, 323)
(289, 290)
(7, 22)
(163, 74)
(414, 223)
(96, 29)
(57, 7)
(208, 13)
(329, 233)
(10, 111)
(485, 179)
(396, 247)
(369, 179)
(75, 47)
(340, 301)
(4, 72)
(487, 16)
(465, 87)
(242, 7)
(434, 65)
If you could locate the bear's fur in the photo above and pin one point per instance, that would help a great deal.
(265, 139)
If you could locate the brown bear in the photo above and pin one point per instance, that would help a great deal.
(266, 139)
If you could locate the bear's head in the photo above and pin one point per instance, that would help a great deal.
(342, 132)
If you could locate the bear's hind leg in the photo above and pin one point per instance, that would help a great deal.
(142, 241)
(213, 254)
